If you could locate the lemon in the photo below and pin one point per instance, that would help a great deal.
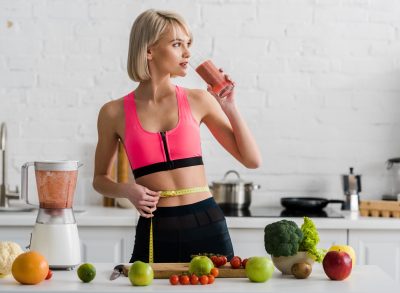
(86, 272)
(346, 248)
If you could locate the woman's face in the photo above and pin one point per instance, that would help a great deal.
(170, 55)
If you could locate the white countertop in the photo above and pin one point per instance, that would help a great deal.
(84, 215)
(100, 216)
(363, 279)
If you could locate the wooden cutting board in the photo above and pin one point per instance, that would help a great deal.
(165, 270)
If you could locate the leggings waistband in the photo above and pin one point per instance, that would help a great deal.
(185, 209)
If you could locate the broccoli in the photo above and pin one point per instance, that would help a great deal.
(282, 238)
(310, 240)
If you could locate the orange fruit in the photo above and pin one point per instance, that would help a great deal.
(30, 268)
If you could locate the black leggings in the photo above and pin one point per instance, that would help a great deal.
(179, 232)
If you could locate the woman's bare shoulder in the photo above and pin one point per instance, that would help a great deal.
(112, 109)
(201, 102)
(198, 95)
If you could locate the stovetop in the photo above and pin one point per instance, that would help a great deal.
(276, 212)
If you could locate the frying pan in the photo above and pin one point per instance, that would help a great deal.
(307, 203)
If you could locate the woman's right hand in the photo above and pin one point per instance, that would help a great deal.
(144, 199)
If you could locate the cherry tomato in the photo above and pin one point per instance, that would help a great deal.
(215, 260)
(174, 279)
(184, 279)
(194, 280)
(211, 279)
(203, 280)
(223, 259)
(49, 275)
(244, 262)
(236, 262)
(214, 272)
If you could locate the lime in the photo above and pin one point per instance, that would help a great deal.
(86, 272)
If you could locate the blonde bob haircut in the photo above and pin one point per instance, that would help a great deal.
(147, 29)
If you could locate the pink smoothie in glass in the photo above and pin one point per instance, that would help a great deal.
(211, 75)
(56, 188)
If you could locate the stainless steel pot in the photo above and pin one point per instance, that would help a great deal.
(233, 193)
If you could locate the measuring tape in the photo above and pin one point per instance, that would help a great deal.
(171, 193)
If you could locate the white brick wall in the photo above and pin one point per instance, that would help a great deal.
(317, 80)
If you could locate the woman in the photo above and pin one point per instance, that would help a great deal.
(158, 124)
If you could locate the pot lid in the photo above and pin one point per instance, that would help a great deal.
(236, 180)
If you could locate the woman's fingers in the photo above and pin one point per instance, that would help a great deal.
(228, 78)
(147, 210)
(143, 203)
(151, 198)
(143, 214)
(150, 192)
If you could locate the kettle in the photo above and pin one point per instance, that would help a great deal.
(352, 187)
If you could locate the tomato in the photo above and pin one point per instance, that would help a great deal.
(244, 262)
(223, 260)
(184, 279)
(211, 279)
(236, 262)
(214, 259)
(194, 280)
(218, 260)
(203, 280)
(49, 275)
(214, 272)
(174, 279)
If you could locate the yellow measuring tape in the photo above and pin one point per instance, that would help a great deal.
(171, 193)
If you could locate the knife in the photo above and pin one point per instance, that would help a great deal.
(117, 271)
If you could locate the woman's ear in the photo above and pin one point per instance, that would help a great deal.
(149, 54)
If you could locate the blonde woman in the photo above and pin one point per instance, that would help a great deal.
(158, 124)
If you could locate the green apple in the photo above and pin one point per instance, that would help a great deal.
(200, 265)
(140, 274)
(345, 248)
(259, 269)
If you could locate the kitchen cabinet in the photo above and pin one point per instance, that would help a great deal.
(378, 247)
(106, 244)
(20, 235)
(250, 241)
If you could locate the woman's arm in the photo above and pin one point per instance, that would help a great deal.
(226, 124)
(142, 198)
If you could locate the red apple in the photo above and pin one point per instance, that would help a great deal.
(337, 265)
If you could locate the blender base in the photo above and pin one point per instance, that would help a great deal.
(58, 243)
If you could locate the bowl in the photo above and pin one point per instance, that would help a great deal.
(284, 263)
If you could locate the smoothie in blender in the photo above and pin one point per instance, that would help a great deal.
(56, 188)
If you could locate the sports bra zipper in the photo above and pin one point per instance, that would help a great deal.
(164, 140)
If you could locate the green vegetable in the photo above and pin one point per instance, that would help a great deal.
(310, 240)
(282, 238)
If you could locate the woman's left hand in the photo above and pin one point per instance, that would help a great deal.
(229, 98)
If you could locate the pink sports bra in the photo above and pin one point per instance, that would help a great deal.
(150, 152)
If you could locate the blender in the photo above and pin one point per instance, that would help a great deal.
(55, 233)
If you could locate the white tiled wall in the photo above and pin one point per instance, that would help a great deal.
(317, 80)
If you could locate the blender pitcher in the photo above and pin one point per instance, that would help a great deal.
(55, 233)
